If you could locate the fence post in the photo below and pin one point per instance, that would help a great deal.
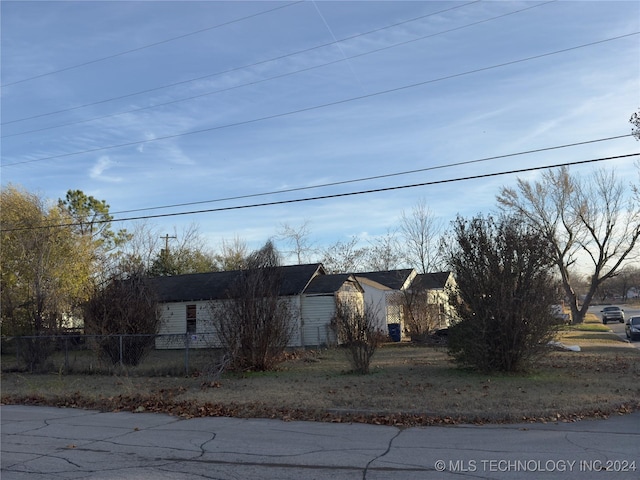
(186, 353)
(120, 339)
(66, 355)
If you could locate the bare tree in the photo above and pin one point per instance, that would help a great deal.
(421, 315)
(593, 220)
(635, 131)
(618, 287)
(357, 332)
(384, 252)
(298, 239)
(344, 257)
(233, 254)
(159, 253)
(255, 324)
(140, 251)
(635, 121)
(183, 252)
(421, 230)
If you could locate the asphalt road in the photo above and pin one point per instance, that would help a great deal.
(617, 327)
(51, 443)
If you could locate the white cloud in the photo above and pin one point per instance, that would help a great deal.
(97, 172)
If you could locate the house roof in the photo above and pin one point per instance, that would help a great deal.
(394, 279)
(330, 283)
(214, 285)
(367, 281)
(431, 281)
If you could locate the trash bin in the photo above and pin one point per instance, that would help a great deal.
(394, 331)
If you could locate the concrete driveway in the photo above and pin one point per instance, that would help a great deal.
(53, 443)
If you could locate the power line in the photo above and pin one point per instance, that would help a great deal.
(275, 77)
(108, 57)
(376, 177)
(238, 68)
(330, 104)
(337, 195)
(261, 62)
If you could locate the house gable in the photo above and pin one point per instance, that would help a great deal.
(331, 284)
(318, 306)
(393, 279)
(433, 281)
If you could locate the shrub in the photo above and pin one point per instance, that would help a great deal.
(505, 292)
(357, 332)
(254, 324)
(124, 306)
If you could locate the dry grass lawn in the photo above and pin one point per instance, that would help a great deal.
(408, 385)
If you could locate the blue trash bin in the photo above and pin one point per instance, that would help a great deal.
(394, 332)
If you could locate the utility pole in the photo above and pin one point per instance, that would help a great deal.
(166, 243)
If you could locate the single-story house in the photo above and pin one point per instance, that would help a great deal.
(318, 306)
(186, 301)
(380, 290)
(437, 286)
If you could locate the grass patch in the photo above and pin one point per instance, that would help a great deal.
(590, 327)
(589, 337)
(408, 385)
(592, 318)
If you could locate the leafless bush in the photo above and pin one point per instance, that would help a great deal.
(123, 306)
(254, 325)
(421, 317)
(357, 332)
(215, 368)
(35, 351)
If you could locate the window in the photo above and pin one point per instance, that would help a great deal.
(191, 319)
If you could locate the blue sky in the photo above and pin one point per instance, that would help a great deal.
(158, 103)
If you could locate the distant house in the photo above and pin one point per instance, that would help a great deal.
(383, 292)
(186, 300)
(437, 286)
(318, 306)
(380, 288)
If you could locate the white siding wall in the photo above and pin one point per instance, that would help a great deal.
(296, 337)
(174, 322)
(317, 312)
(381, 301)
(376, 300)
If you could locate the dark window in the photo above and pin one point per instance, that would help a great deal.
(191, 319)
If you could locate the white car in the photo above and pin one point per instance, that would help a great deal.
(612, 314)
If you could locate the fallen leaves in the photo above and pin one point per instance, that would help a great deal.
(160, 403)
(205, 385)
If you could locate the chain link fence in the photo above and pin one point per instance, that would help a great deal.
(148, 355)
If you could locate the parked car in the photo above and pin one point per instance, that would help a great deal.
(612, 314)
(632, 328)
